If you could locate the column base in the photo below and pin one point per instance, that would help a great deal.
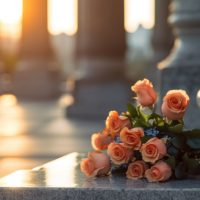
(36, 79)
(93, 101)
(187, 78)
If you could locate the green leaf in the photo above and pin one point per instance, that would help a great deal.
(160, 123)
(172, 150)
(194, 143)
(192, 133)
(145, 139)
(180, 171)
(137, 123)
(175, 122)
(155, 115)
(158, 120)
(192, 164)
(141, 123)
(171, 161)
(141, 120)
(119, 169)
(137, 155)
(195, 132)
(142, 115)
(176, 128)
(179, 142)
(132, 110)
(194, 167)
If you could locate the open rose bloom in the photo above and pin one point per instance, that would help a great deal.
(100, 141)
(143, 144)
(153, 150)
(161, 171)
(96, 164)
(136, 170)
(119, 154)
(132, 137)
(175, 104)
(115, 123)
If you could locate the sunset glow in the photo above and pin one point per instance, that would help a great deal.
(139, 12)
(63, 17)
(10, 18)
(11, 116)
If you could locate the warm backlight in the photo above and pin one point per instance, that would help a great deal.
(8, 100)
(198, 98)
(11, 116)
(139, 12)
(63, 17)
(10, 18)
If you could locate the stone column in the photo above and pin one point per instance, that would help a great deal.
(162, 35)
(182, 68)
(36, 74)
(101, 44)
(2, 72)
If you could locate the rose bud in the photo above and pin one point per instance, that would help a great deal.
(119, 154)
(132, 137)
(153, 150)
(174, 104)
(115, 122)
(136, 170)
(97, 164)
(161, 171)
(100, 141)
(146, 95)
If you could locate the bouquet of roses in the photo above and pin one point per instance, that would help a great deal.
(143, 144)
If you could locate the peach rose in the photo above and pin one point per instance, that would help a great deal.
(153, 150)
(132, 137)
(174, 104)
(119, 154)
(114, 123)
(136, 170)
(100, 141)
(146, 95)
(97, 164)
(161, 171)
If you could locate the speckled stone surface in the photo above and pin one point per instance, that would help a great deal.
(186, 78)
(62, 180)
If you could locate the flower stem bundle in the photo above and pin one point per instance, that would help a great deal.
(141, 143)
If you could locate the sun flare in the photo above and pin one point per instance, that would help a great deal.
(139, 12)
(62, 17)
(10, 18)
(11, 116)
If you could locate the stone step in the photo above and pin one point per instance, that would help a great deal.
(61, 179)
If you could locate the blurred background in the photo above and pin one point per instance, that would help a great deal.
(64, 64)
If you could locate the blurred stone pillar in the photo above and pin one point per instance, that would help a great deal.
(36, 75)
(100, 80)
(2, 72)
(182, 68)
(162, 34)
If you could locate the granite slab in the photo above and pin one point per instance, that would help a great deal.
(61, 179)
